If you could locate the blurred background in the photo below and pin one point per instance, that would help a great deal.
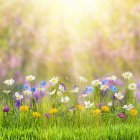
(69, 38)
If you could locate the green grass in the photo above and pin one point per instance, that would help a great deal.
(108, 132)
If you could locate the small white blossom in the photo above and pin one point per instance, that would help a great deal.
(112, 78)
(51, 93)
(9, 82)
(53, 81)
(6, 91)
(96, 82)
(27, 92)
(132, 86)
(127, 75)
(18, 96)
(59, 93)
(65, 99)
(110, 104)
(119, 95)
(30, 78)
(75, 90)
(82, 79)
(128, 107)
(88, 104)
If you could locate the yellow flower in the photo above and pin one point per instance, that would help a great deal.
(133, 112)
(36, 114)
(53, 110)
(24, 108)
(80, 107)
(96, 112)
(105, 108)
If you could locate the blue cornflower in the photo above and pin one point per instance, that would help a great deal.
(32, 89)
(88, 90)
(19, 88)
(25, 86)
(104, 81)
(113, 88)
(43, 83)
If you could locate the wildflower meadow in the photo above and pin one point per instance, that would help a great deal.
(105, 108)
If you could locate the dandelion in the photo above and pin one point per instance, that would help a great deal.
(121, 115)
(88, 104)
(112, 78)
(65, 99)
(133, 112)
(132, 86)
(82, 79)
(105, 108)
(6, 109)
(127, 75)
(96, 83)
(24, 108)
(36, 114)
(110, 104)
(80, 107)
(53, 111)
(18, 96)
(119, 95)
(53, 81)
(97, 112)
(9, 82)
(30, 78)
(128, 107)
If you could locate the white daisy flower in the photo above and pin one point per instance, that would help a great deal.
(127, 75)
(51, 93)
(53, 81)
(112, 78)
(88, 104)
(9, 82)
(18, 96)
(82, 79)
(104, 87)
(132, 86)
(119, 95)
(30, 78)
(128, 107)
(110, 104)
(96, 83)
(65, 99)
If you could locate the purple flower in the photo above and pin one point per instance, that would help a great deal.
(6, 109)
(121, 115)
(71, 108)
(62, 87)
(47, 115)
(17, 103)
